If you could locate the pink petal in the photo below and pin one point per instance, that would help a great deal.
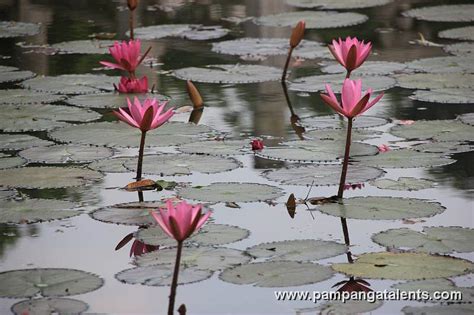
(158, 218)
(203, 219)
(373, 102)
(348, 97)
(112, 65)
(123, 116)
(331, 103)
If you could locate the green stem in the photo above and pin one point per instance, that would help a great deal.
(140, 156)
(287, 63)
(174, 283)
(345, 163)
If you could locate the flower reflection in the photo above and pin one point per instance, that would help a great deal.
(353, 285)
(138, 247)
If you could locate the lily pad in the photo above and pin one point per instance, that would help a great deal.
(217, 147)
(49, 282)
(404, 183)
(467, 119)
(405, 266)
(434, 239)
(35, 210)
(20, 141)
(49, 306)
(439, 130)
(249, 46)
(7, 69)
(109, 100)
(445, 64)
(444, 148)
(370, 68)
(209, 235)
(336, 122)
(231, 74)
(313, 19)
(231, 192)
(114, 165)
(445, 96)
(72, 84)
(161, 275)
(17, 29)
(187, 31)
(66, 153)
(118, 134)
(405, 158)
(382, 208)
(183, 164)
(340, 134)
(14, 76)
(319, 175)
(316, 83)
(84, 46)
(351, 307)
(435, 80)
(458, 309)
(337, 4)
(443, 13)
(22, 96)
(277, 274)
(461, 33)
(437, 285)
(7, 194)
(460, 49)
(297, 250)
(47, 177)
(11, 162)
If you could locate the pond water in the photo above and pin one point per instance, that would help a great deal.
(238, 111)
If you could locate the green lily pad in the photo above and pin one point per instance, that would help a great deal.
(232, 192)
(119, 134)
(461, 309)
(49, 282)
(49, 306)
(22, 96)
(461, 33)
(47, 177)
(231, 74)
(20, 141)
(313, 19)
(444, 148)
(114, 165)
(434, 239)
(72, 84)
(277, 274)
(84, 46)
(217, 147)
(340, 134)
(11, 162)
(351, 307)
(404, 183)
(109, 100)
(337, 4)
(369, 68)
(443, 13)
(14, 76)
(439, 130)
(460, 49)
(382, 208)
(161, 275)
(203, 257)
(249, 46)
(405, 266)
(208, 235)
(405, 158)
(467, 119)
(7, 69)
(35, 210)
(336, 122)
(66, 153)
(297, 250)
(316, 83)
(445, 64)
(435, 81)
(437, 285)
(319, 175)
(17, 29)
(187, 31)
(445, 96)
(183, 164)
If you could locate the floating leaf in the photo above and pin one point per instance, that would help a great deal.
(403, 183)
(319, 175)
(461, 33)
(66, 153)
(434, 239)
(248, 46)
(337, 4)
(435, 80)
(439, 310)
(47, 177)
(109, 100)
(7, 194)
(297, 250)
(209, 235)
(49, 306)
(72, 84)
(11, 162)
(444, 148)
(340, 134)
(460, 49)
(14, 76)
(17, 29)
(405, 158)
(437, 285)
(336, 122)
(22, 96)
(187, 31)
(217, 147)
(316, 83)
(404, 266)
(7, 69)
(382, 208)
(439, 130)
(348, 307)
(445, 96)
(467, 119)
(183, 164)
(49, 282)
(277, 274)
(369, 68)
(114, 165)
(84, 46)
(232, 192)
(161, 275)
(449, 64)
(20, 141)
(35, 210)
(232, 74)
(443, 13)
(313, 19)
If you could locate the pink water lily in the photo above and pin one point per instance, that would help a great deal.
(352, 103)
(351, 52)
(146, 116)
(133, 85)
(127, 55)
(182, 220)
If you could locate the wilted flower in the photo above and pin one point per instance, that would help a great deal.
(139, 248)
(127, 55)
(383, 148)
(351, 52)
(257, 144)
(133, 85)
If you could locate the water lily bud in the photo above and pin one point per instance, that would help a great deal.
(194, 94)
(297, 34)
(132, 4)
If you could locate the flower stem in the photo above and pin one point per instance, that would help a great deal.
(345, 163)
(174, 283)
(131, 22)
(140, 156)
(348, 74)
(347, 241)
(287, 63)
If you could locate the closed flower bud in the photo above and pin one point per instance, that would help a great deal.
(297, 34)
(194, 94)
(132, 4)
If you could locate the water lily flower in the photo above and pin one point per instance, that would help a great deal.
(132, 85)
(182, 220)
(127, 55)
(351, 52)
(146, 116)
(383, 148)
(352, 103)
(257, 144)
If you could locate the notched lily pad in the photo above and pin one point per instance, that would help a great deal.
(404, 183)
(460, 49)
(461, 33)
(11, 161)
(20, 141)
(17, 29)
(187, 31)
(335, 122)
(231, 192)
(445, 96)
(443, 13)
(14, 76)
(113, 165)
(444, 148)
(230, 74)
(66, 153)
(439, 130)
(313, 19)
(49, 306)
(217, 147)
(72, 84)
(370, 68)
(435, 81)
(358, 134)
(161, 275)
(337, 4)
(84, 46)
(405, 158)
(109, 100)
(467, 119)
(49, 282)
(405, 266)
(316, 83)
(437, 285)
(277, 274)
(445, 64)
(22, 96)
(382, 208)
